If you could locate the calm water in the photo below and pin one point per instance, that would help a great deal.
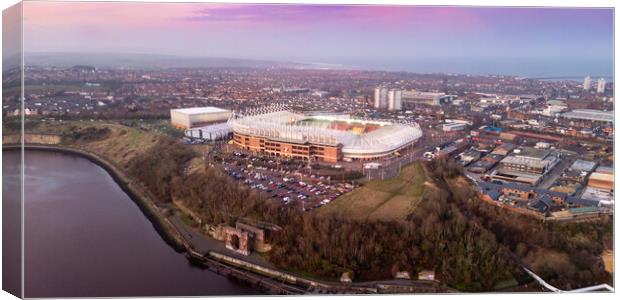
(85, 237)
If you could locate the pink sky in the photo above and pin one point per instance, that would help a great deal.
(47, 23)
(319, 33)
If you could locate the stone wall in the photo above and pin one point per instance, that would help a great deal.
(41, 139)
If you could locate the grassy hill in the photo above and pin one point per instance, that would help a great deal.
(116, 142)
(391, 199)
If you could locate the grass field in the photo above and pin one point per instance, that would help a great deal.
(120, 145)
(123, 143)
(391, 199)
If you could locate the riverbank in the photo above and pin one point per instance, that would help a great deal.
(263, 277)
(132, 188)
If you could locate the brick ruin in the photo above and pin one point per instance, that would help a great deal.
(245, 238)
(237, 240)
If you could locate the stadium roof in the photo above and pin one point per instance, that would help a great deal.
(590, 114)
(277, 125)
(200, 110)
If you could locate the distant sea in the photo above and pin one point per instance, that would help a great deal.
(574, 78)
(545, 69)
(555, 68)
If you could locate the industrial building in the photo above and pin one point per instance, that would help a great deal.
(213, 132)
(583, 166)
(394, 99)
(587, 118)
(525, 198)
(413, 97)
(187, 118)
(554, 107)
(320, 137)
(527, 165)
(469, 156)
(453, 126)
(602, 179)
(600, 186)
(503, 149)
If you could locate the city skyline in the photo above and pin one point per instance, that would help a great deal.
(471, 40)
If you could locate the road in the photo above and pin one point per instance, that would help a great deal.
(549, 178)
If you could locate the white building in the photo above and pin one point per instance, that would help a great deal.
(381, 98)
(427, 98)
(395, 99)
(320, 94)
(554, 107)
(600, 88)
(590, 115)
(384, 98)
(198, 116)
(587, 83)
(210, 132)
(454, 126)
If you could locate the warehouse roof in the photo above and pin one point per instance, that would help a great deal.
(200, 110)
(602, 177)
(583, 165)
(526, 161)
(590, 201)
(556, 102)
(605, 170)
(590, 114)
(584, 209)
(531, 153)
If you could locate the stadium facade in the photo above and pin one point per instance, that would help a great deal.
(328, 138)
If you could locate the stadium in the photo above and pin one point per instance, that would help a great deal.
(323, 137)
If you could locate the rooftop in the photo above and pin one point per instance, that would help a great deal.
(531, 153)
(590, 114)
(583, 165)
(526, 161)
(602, 177)
(605, 169)
(584, 209)
(522, 177)
(199, 110)
(214, 128)
(595, 196)
(557, 102)
(419, 94)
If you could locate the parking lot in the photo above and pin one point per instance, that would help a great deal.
(284, 181)
(294, 183)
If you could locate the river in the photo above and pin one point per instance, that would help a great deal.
(84, 236)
